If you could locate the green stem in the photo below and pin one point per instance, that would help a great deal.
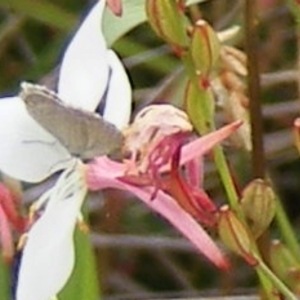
(263, 269)
(227, 181)
(268, 287)
(219, 156)
(287, 230)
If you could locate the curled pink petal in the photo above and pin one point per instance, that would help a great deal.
(184, 201)
(103, 173)
(194, 170)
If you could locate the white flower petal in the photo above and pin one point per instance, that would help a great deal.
(118, 102)
(27, 152)
(48, 256)
(84, 70)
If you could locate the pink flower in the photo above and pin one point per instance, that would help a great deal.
(10, 220)
(159, 184)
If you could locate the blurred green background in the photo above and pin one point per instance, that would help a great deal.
(137, 253)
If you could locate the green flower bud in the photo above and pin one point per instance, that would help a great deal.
(258, 204)
(236, 236)
(199, 104)
(168, 21)
(205, 48)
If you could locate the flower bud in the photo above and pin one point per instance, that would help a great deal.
(168, 21)
(285, 265)
(236, 236)
(205, 48)
(199, 105)
(258, 204)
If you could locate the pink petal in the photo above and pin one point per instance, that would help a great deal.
(194, 169)
(115, 6)
(8, 203)
(192, 199)
(205, 143)
(103, 174)
(6, 241)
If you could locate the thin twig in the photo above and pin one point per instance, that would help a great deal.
(272, 79)
(258, 159)
(140, 242)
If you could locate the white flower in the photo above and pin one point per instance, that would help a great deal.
(89, 72)
(48, 256)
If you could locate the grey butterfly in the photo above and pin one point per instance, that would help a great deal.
(84, 134)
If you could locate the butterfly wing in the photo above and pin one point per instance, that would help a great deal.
(83, 133)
